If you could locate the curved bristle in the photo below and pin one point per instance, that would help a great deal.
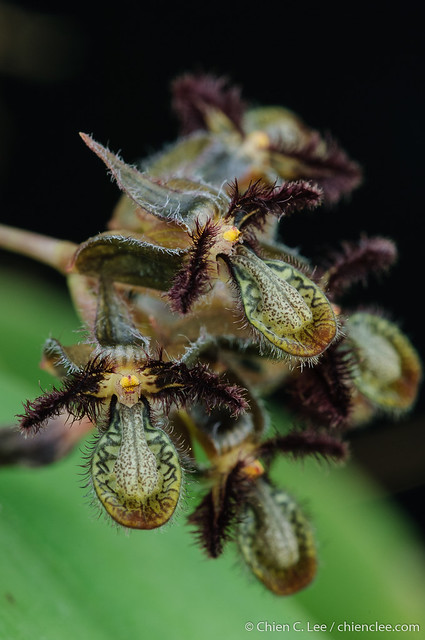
(216, 515)
(326, 162)
(193, 280)
(76, 397)
(324, 393)
(195, 95)
(252, 207)
(305, 443)
(358, 260)
(182, 385)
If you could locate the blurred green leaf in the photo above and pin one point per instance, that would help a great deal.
(66, 573)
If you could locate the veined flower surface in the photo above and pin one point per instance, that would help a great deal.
(284, 305)
(135, 469)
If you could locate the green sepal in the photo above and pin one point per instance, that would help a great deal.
(114, 325)
(182, 157)
(124, 258)
(212, 158)
(177, 199)
(63, 361)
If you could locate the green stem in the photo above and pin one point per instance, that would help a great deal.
(51, 251)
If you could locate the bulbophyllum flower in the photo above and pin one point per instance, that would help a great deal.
(373, 367)
(284, 308)
(134, 466)
(191, 244)
(274, 537)
(385, 368)
(224, 137)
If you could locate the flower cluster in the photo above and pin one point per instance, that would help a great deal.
(195, 309)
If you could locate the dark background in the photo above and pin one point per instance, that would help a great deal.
(106, 69)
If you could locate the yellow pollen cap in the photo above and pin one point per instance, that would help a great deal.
(260, 139)
(232, 235)
(254, 469)
(129, 381)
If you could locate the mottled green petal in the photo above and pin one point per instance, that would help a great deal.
(276, 540)
(124, 258)
(388, 369)
(135, 470)
(284, 305)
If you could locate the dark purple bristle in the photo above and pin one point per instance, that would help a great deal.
(194, 95)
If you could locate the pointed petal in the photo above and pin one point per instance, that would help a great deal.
(251, 207)
(193, 280)
(215, 517)
(310, 442)
(324, 394)
(52, 444)
(196, 97)
(78, 397)
(298, 152)
(178, 383)
(357, 261)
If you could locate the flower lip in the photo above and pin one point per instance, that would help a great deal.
(283, 304)
(276, 540)
(135, 469)
(388, 370)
